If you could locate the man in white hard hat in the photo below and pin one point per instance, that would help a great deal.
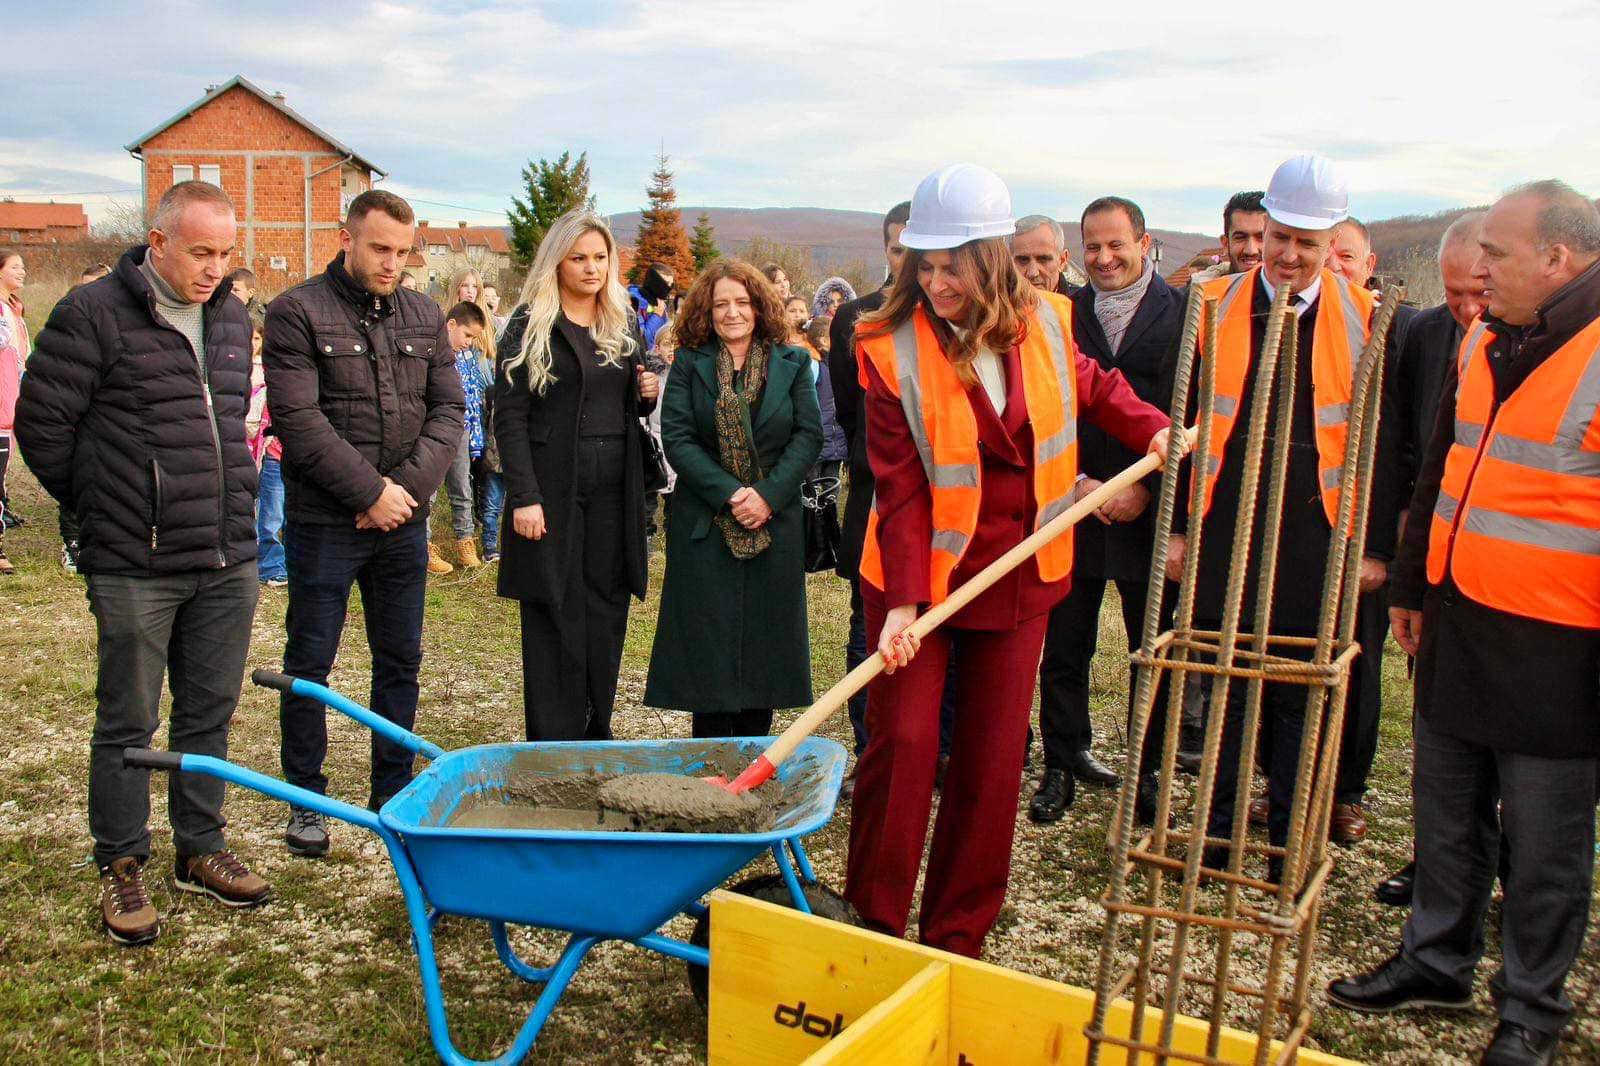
(1305, 200)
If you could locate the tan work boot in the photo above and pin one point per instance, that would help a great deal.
(125, 908)
(436, 563)
(223, 877)
(467, 548)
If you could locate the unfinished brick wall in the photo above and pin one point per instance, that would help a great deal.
(264, 157)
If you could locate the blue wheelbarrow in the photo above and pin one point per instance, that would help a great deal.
(595, 885)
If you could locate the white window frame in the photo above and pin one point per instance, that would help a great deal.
(182, 172)
(211, 173)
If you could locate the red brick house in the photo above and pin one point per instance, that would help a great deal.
(24, 223)
(439, 252)
(290, 180)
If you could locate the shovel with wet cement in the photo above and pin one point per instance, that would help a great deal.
(690, 800)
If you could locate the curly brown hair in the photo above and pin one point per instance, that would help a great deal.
(694, 327)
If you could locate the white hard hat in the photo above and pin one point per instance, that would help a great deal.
(1307, 192)
(957, 204)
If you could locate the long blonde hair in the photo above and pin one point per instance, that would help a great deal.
(453, 296)
(541, 295)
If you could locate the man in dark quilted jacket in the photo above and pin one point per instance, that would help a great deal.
(132, 417)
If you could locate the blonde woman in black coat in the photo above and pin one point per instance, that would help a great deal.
(569, 393)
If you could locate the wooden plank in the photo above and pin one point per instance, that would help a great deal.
(783, 984)
(779, 991)
(910, 1028)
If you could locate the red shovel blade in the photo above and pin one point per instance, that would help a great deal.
(754, 775)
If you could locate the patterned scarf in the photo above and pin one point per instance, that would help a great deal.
(1116, 309)
(736, 448)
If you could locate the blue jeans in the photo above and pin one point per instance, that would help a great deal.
(494, 502)
(391, 570)
(269, 522)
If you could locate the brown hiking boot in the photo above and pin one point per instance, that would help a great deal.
(125, 907)
(467, 548)
(436, 563)
(223, 877)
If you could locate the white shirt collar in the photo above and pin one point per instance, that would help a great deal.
(1300, 300)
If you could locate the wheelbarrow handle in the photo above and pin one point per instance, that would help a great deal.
(210, 766)
(380, 725)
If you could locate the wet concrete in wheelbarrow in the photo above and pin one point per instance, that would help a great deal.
(536, 793)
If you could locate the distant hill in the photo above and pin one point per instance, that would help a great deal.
(838, 239)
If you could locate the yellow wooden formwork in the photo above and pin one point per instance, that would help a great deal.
(788, 988)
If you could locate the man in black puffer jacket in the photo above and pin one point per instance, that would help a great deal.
(368, 404)
(132, 417)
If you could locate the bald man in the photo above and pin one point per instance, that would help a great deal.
(1494, 593)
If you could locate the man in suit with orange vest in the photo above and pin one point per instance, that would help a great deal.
(1306, 199)
(1497, 593)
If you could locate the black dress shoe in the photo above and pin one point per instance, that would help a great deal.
(1396, 985)
(1395, 890)
(1091, 771)
(1191, 742)
(1144, 805)
(1055, 796)
(1517, 1045)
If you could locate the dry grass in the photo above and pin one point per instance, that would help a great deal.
(325, 972)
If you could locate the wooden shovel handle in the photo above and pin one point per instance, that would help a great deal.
(858, 679)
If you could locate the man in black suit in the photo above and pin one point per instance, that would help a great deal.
(1422, 360)
(1128, 319)
(844, 374)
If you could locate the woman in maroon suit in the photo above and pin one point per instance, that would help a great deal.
(963, 339)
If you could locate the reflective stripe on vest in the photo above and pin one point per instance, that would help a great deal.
(944, 430)
(1517, 521)
(1341, 333)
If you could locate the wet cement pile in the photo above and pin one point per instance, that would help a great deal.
(535, 794)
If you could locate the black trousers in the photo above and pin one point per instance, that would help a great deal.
(192, 631)
(1069, 647)
(572, 653)
(1364, 707)
(750, 722)
(1547, 807)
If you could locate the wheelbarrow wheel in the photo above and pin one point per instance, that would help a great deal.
(769, 888)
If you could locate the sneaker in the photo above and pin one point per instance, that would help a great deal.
(436, 562)
(275, 582)
(69, 556)
(491, 556)
(223, 877)
(125, 908)
(307, 833)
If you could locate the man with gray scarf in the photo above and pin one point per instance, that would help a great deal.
(1128, 320)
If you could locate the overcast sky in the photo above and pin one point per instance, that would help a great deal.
(845, 105)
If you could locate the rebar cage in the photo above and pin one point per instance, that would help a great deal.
(1180, 909)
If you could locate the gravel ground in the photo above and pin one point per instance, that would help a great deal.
(324, 973)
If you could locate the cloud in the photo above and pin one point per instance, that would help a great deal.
(763, 103)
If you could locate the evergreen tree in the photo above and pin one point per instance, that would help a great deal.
(553, 189)
(703, 246)
(661, 237)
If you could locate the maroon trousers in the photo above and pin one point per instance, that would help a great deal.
(970, 859)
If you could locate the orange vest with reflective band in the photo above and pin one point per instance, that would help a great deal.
(945, 431)
(1517, 524)
(1344, 317)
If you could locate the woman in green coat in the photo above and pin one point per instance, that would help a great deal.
(741, 427)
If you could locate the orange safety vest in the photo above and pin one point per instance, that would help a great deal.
(1517, 524)
(1344, 318)
(945, 431)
